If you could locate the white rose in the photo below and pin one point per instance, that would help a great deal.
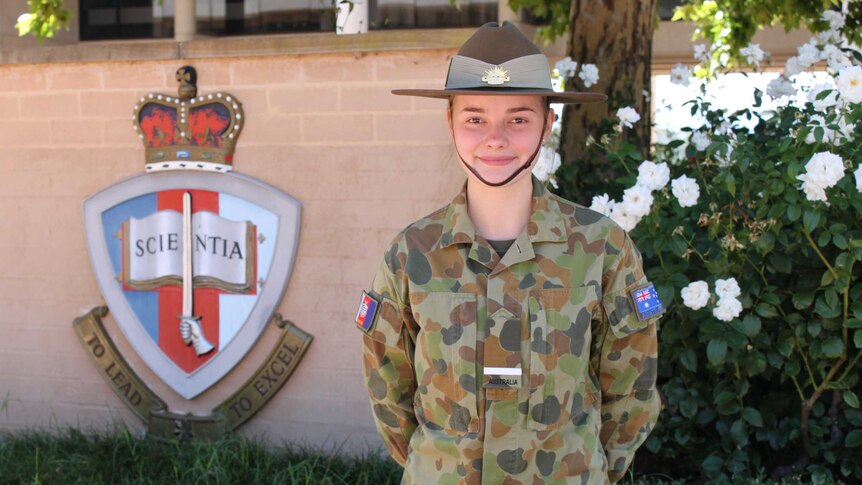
(826, 102)
(792, 67)
(701, 53)
(589, 74)
(779, 87)
(637, 201)
(624, 219)
(727, 309)
(653, 176)
(686, 190)
(858, 175)
(835, 57)
(602, 204)
(753, 54)
(835, 19)
(850, 84)
(566, 67)
(812, 191)
(700, 140)
(727, 288)
(824, 169)
(628, 116)
(845, 132)
(809, 54)
(547, 164)
(695, 295)
(680, 74)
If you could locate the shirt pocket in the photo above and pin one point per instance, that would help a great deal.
(446, 362)
(560, 336)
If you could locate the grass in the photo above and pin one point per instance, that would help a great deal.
(119, 458)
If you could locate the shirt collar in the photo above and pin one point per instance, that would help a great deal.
(547, 220)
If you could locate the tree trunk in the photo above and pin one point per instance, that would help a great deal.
(616, 36)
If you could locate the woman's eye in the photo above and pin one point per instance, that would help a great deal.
(474, 120)
(519, 121)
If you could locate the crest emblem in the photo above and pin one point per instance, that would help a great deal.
(495, 76)
(192, 258)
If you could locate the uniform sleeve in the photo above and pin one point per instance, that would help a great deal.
(627, 357)
(388, 365)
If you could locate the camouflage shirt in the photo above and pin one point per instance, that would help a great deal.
(530, 368)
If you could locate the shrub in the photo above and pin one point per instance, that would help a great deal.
(750, 229)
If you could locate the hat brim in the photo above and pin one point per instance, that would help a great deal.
(566, 97)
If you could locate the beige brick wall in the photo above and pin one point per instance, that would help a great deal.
(322, 128)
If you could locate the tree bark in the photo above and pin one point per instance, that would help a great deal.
(616, 36)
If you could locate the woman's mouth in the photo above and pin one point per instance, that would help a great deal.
(496, 161)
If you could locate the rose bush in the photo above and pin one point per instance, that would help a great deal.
(762, 373)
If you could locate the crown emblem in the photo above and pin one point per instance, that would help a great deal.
(188, 132)
(495, 75)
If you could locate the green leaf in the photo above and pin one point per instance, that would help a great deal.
(688, 359)
(793, 212)
(766, 310)
(753, 417)
(832, 347)
(803, 299)
(730, 184)
(716, 351)
(810, 220)
(851, 399)
(853, 323)
(751, 325)
(839, 241)
(712, 464)
(857, 339)
(688, 407)
(724, 397)
(854, 439)
(825, 310)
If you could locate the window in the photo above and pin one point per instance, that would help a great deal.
(129, 19)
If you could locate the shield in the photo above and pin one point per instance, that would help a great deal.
(137, 243)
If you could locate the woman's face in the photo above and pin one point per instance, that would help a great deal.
(496, 135)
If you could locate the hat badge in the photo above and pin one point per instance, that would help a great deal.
(495, 76)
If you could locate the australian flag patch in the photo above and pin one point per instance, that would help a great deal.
(367, 310)
(646, 301)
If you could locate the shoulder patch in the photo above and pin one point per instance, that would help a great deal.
(367, 311)
(646, 302)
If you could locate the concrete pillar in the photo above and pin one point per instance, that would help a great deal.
(184, 20)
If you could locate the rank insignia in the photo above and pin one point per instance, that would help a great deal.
(367, 310)
(646, 302)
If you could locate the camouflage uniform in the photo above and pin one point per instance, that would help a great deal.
(557, 305)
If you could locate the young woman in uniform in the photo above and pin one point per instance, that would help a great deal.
(506, 337)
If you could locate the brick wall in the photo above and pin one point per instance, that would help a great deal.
(322, 128)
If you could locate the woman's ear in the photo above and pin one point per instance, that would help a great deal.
(549, 124)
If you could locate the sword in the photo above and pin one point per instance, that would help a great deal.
(190, 329)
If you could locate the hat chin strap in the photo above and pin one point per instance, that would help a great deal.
(514, 174)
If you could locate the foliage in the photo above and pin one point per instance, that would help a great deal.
(44, 19)
(119, 457)
(763, 375)
(553, 15)
(730, 25)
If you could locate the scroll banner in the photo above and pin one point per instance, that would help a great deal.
(229, 415)
(223, 251)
